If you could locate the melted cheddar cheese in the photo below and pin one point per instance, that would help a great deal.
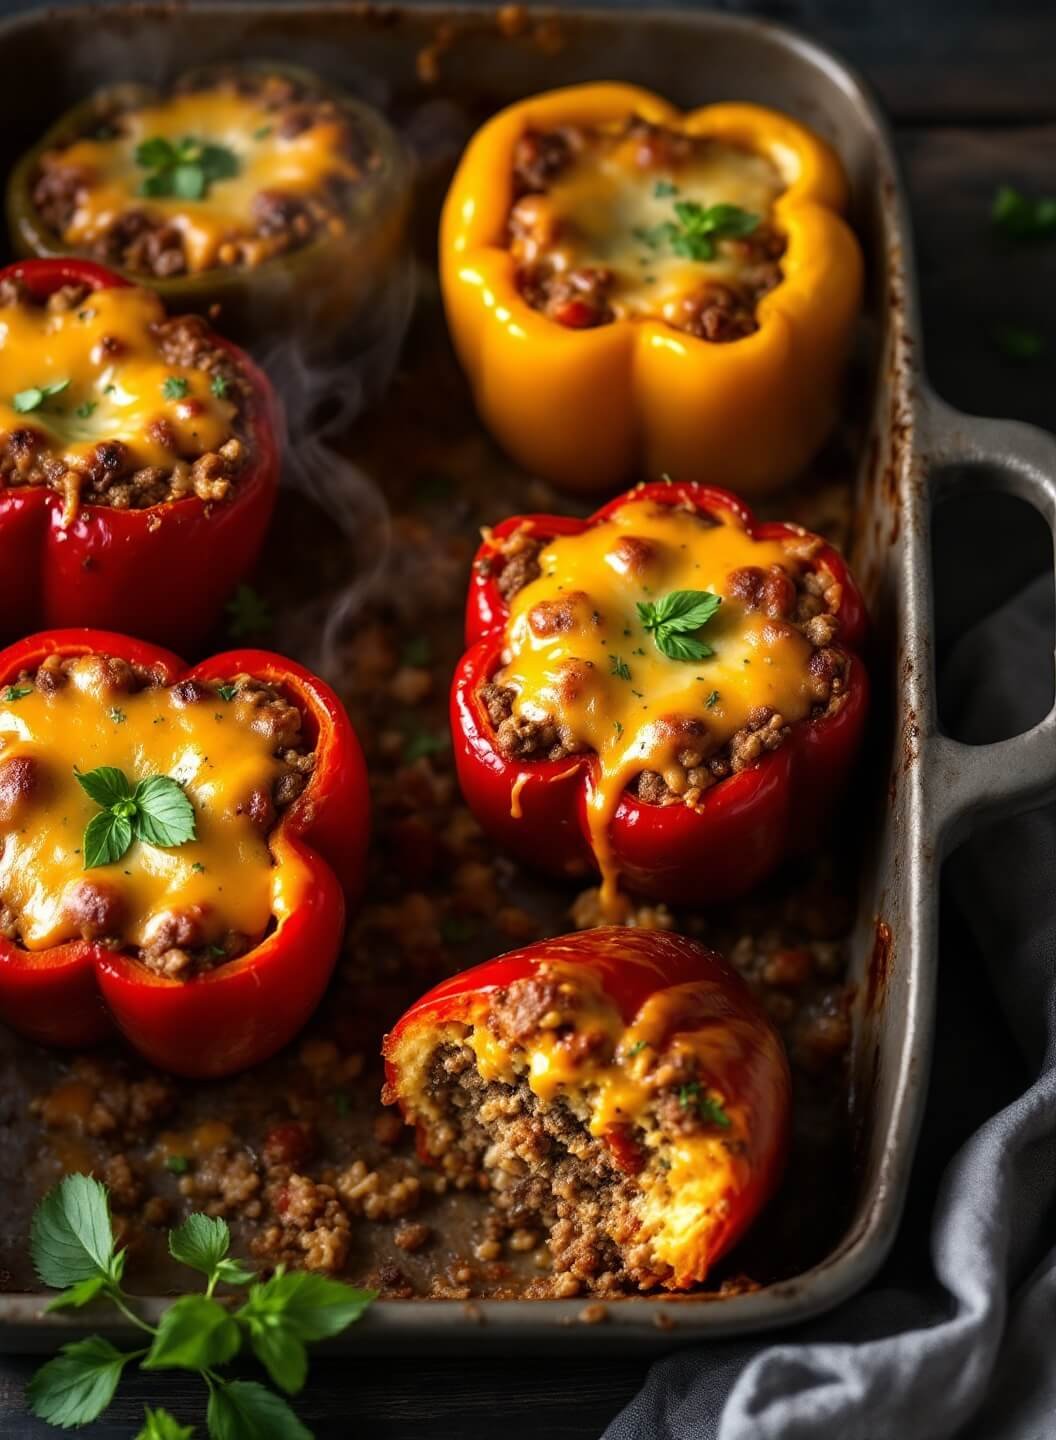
(687, 1179)
(606, 210)
(109, 382)
(578, 652)
(225, 877)
(242, 124)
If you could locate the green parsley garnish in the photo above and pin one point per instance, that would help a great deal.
(692, 1097)
(618, 727)
(84, 410)
(227, 692)
(156, 812)
(248, 614)
(695, 230)
(416, 652)
(663, 189)
(1016, 343)
(33, 398)
(713, 699)
(17, 692)
(672, 620)
(175, 387)
(185, 169)
(118, 716)
(198, 868)
(1023, 217)
(73, 1250)
(421, 743)
(219, 386)
(636, 1048)
(178, 1164)
(619, 668)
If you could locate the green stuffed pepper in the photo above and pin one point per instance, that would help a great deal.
(253, 194)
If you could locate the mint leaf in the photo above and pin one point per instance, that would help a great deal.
(293, 1309)
(279, 1351)
(682, 647)
(185, 170)
(164, 815)
(78, 1385)
(160, 1425)
(244, 1410)
(671, 619)
(155, 153)
(106, 785)
(233, 1272)
(71, 1238)
(81, 1293)
(106, 838)
(194, 1333)
(200, 1242)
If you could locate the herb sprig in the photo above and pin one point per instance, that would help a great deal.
(185, 169)
(672, 620)
(73, 1251)
(696, 229)
(156, 811)
(692, 1097)
(35, 397)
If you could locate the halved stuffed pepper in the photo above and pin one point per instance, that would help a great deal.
(139, 457)
(634, 291)
(250, 187)
(669, 693)
(177, 847)
(619, 1089)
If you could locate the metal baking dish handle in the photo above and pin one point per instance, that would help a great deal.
(969, 785)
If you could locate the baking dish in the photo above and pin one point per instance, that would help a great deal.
(927, 791)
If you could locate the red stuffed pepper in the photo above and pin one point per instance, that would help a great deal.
(620, 1089)
(669, 692)
(139, 457)
(179, 845)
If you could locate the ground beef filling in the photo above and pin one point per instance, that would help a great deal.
(111, 475)
(582, 297)
(807, 598)
(148, 244)
(177, 949)
(543, 1170)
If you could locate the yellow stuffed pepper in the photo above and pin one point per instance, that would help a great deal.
(633, 290)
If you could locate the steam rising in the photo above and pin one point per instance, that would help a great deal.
(322, 399)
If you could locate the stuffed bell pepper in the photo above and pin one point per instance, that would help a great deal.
(620, 1089)
(139, 457)
(178, 845)
(253, 188)
(634, 291)
(669, 693)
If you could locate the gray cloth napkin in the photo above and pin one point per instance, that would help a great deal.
(960, 1341)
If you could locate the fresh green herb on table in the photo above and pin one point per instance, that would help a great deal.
(73, 1251)
(696, 229)
(156, 811)
(672, 620)
(1023, 217)
(185, 169)
(248, 614)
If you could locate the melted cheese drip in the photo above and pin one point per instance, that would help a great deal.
(210, 748)
(297, 165)
(569, 629)
(600, 210)
(113, 391)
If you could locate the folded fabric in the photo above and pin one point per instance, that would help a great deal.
(958, 1341)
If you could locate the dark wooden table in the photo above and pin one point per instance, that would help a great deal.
(973, 100)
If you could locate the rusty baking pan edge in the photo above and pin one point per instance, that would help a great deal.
(937, 789)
